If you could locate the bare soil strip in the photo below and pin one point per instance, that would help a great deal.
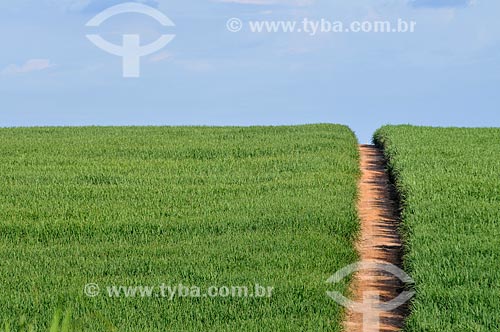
(379, 240)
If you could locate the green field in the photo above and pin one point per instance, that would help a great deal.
(133, 206)
(449, 181)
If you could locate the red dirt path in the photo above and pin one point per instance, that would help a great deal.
(379, 240)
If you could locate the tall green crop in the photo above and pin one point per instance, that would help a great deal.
(449, 180)
(85, 209)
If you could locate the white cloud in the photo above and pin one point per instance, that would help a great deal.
(29, 66)
(271, 2)
(442, 3)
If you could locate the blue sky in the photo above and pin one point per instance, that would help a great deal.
(447, 73)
